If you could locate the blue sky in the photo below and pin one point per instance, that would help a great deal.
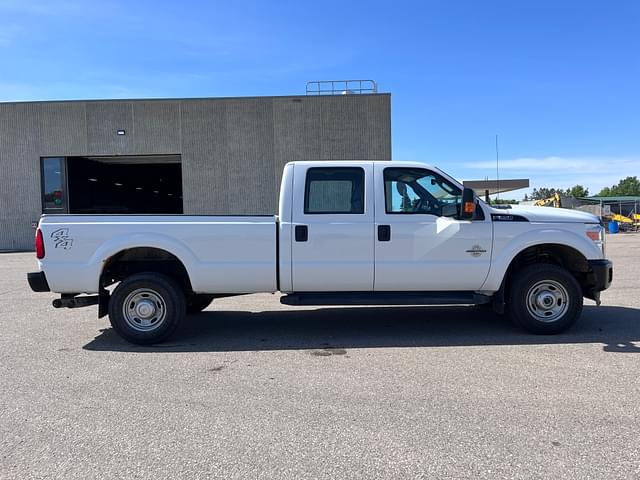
(558, 81)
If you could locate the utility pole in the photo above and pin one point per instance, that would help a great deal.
(497, 171)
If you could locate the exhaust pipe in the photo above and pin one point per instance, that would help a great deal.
(76, 302)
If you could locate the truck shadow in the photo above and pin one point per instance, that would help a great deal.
(617, 328)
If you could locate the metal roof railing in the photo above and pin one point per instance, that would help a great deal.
(341, 87)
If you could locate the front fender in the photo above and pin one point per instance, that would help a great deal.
(510, 239)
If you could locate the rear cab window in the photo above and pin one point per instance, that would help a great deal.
(334, 190)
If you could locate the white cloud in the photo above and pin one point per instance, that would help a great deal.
(562, 164)
(562, 172)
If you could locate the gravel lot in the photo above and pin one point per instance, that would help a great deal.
(251, 389)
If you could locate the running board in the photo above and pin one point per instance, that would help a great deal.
(385, 298)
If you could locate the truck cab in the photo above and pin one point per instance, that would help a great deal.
(373, 226)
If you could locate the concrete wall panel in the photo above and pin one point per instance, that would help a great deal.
(250, 140)
(353, 128)
(19, 175)
(297, 126)
(63, 128)
(156, 127)
(104, 119)
(205, 169)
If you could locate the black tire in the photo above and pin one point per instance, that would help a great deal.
(156, 308)
(544, 299)
(198, 302)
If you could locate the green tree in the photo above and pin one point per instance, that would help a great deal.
(501, 201)
(543, 192)
(577, 191)
(605, 192)
(626, 186)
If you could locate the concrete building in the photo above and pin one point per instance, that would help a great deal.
(192, 156)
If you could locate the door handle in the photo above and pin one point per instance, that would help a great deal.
(384, 233)
(302, 233)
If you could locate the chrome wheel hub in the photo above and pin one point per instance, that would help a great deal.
(144, 310)
(547, 301)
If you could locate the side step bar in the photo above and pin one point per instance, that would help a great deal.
(385, 298)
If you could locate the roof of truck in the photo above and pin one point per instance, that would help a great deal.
(397, 163)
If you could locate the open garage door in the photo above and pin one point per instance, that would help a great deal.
(149, 184)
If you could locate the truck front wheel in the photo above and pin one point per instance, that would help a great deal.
(544, 299)
(147, 308)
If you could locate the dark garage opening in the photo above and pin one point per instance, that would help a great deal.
(125, 185)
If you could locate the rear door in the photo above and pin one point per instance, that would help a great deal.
(421, 244)
(333, 230)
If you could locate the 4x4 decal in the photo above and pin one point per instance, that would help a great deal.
(61, 238)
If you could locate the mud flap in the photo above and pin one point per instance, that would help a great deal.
(498, 300)
(103, 304)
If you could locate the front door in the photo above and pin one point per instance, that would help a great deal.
(421, 244)
(333, 231)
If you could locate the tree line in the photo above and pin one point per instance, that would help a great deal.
(629, 186)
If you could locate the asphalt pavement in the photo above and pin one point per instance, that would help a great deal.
(252, 389)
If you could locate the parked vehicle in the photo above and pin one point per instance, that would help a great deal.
(347, 233)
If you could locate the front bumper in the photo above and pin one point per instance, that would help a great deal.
(38, 282)
(599, 278)
(600, 274)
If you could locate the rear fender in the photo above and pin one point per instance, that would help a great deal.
(116, 245)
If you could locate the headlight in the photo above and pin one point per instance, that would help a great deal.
(596, 233)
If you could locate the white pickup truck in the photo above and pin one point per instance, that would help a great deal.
(346, 233)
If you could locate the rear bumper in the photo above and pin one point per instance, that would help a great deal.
(599, 278)
(38, 282)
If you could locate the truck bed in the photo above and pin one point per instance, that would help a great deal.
(226, 254)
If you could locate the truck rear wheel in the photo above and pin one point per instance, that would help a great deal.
(147, 308)
(198, 302)
(544, 299)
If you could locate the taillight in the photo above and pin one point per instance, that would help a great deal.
(39, 244)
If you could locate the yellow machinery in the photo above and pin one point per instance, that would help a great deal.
(621, 218)
(554, 201)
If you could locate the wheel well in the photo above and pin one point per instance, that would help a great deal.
(566, 257)
(144, 259)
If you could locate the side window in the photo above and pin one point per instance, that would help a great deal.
(334, 190)
(415, 190)
(54, 196)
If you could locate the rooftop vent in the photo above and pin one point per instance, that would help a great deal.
(341, 87)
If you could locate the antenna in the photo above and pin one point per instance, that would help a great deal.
(497, 171)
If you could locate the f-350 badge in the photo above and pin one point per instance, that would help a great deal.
(476, 251)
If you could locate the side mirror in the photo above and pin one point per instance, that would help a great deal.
(468, 207)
